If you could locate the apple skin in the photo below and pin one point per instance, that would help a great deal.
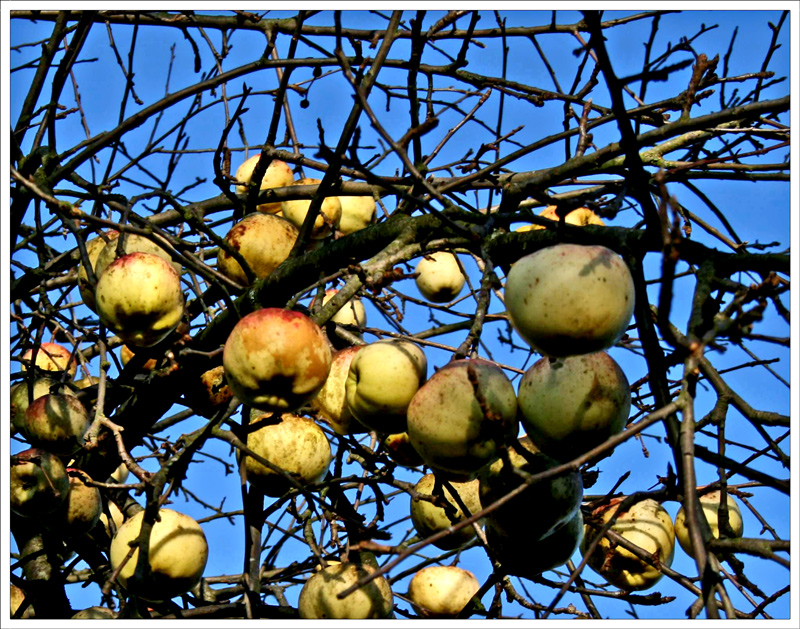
(331, 403)
(278, 175)
(178, 552)
(357, 213)
(382, 379)
(442, 591)
(398, 447)
(440, 279)
(646, 524)
(134, 243)
(551, 502)
(579, 216)
(352, 313)
(327, 220)
(93, 249)
(447, 424)
(263, 240)
(126, 354)
(16, 598)
(276, 359)
(39, 483)
(57, 423)
(94, 613)
(82, 508)
(209, 393)
(710, 504)
(52, 358)
(429, 519)
(318, 598)
(571, 405)
(570, 299)
(295, 444)
(139, 297)
(116, 518)
(19, 398)
(531, 558)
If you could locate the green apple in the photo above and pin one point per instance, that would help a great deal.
(278, 175)
(461, 415)
(276, 359)
(710, 504)
(571, 405)
(178, 552)
(330, 212)
(263, 240)
(383, 378)
(20, 399)
(57, 423)
(51, 358)
(318, 598)
(439, 278)
(93, 249)
(139, 297)
(543, 507)
(39, 483)
(646, 524)
(133, 243)
(570, 299)
(331, 403)
(294, 444)
(442, 591)
(357, 213)
(429, 519)
(82, 508)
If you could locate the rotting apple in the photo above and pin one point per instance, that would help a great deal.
(93, 249)
(209, 393)
(51, 358)
(442, 591)
(278, 175)
(357, 213)
(570, 405)
(330, 403)
(429, 519)
(57, 423)
(710, 504)
(328, 217)
(126, 354)
(461, 415)
(177, 557)
(319, 596)
(398, 447)
(570, 299)
(139, 297)
(439, 278)
(263, 240)
(39, 483)
(276, 359)
(382, 379)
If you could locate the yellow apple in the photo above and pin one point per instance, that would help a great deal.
(85, 383)
(461, 415)
(17, 596)
(318, 598)
(579, 216)
(646, 524)
(116, 518)
(39, 483)
(51, 358)
(571, 405)
(120, 474)
(398, 447)
(442, 591)
(352, 313)
(278, 175)
(383, 378)
(570, 299)
(295, 444)
(276, 359)
(57, 423)
(331, 403)
(710, 504)
(209, 393)
(126, 354)
(330, 212)
(178, 552)
(134, 243)
(440, 279)
(429, 519)
(357, 213)
(20, 399)
(543, 507)
(82, 508)
(263, 240)
(93, 249)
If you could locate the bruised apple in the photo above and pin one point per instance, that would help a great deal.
(429, 519)
(51, 358)
(328, 217)
(39, 483)
(278, 175)
(571, 405)
(442, 591)
(461, 415)
(570, 299)
(276, 359)
(357, 213)
(319, 596)
(57, 423)
(439, 277)
(209, 393)
(710, 504)
(331, 403)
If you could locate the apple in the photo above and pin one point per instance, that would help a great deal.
(178, 552)
(318, 598)
(579, 216)
(276, 359)
(710, 504)
(646, 524)
(16, 598)
(139, 297)
(398, 447)
(429, 519)
(85, 383)
(120, 474)
(331, 403)
(263, 240)
(352, 313)
(209, 393)
(543, 507)
(39, 483)
(357, 213)
(459, 418)
(278, 175)
(532, 558)
(82, 508)
(570, 299)
(134, 243)
(571, 405)
(439, 278)
(328, 217)
(51, 358)
(126, 354)
(94, 613)
(57, 423)
(383, 378)
(295, 444)
(116, 518)
(93, 249)
(442, 591)
(19, 396)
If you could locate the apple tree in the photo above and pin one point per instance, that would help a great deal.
(387, 313)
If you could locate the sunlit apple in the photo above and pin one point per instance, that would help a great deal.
(51, 358)
(709, 503)
(319, 596)
(331, 403)
(93, 249)
(357, 213)
(442, 591)
(429, 519)
(440, 279)
(57, 423)
(330, 212)
(39, 483)
(278, 175)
